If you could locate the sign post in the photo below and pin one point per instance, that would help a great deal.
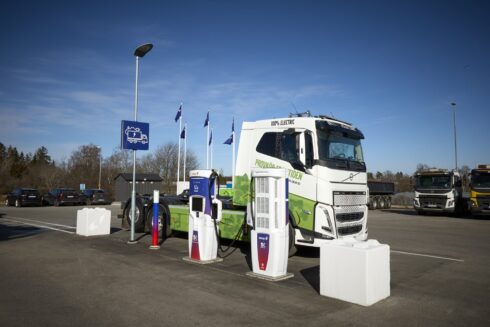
(134, 136)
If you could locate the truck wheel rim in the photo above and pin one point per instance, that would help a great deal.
(136, 211)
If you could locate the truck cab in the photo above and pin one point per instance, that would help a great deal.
(438, 190)
(480, 190)
(326, 170)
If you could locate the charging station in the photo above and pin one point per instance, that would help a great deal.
(270, 222)
(204, 215)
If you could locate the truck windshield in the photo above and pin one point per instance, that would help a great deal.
(433, 182)
(338, 151)
(480, 179)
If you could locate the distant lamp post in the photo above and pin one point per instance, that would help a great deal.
(455, 143)
(100, 163)
(140, 52)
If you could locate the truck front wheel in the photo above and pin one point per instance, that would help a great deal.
(292, 246)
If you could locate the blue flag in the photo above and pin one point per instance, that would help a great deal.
(206, 122)
(182, 134)
(210, 138)
(230, 140)
(179, 113)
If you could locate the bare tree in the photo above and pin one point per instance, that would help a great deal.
(163, 161)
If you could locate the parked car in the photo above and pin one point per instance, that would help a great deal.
(23, 197)
(62, 196)
(95, 196)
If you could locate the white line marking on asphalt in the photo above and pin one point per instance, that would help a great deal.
(41, 226)
(428, 256)
(43, 222)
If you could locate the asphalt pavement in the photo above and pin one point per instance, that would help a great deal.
(49, 276)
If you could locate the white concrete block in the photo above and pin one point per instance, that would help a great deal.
(353, 271)
(93, 221)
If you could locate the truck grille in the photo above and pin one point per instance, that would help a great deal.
(483, 202)
(346, 217)
(349, 230)
(433, 201)
(349, 198)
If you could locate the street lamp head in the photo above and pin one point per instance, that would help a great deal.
(142, 50)
(453, 104)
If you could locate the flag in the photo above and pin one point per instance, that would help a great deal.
(211, 137)
(179, 113)
(206, 122)
(182, 134)
(230, 140)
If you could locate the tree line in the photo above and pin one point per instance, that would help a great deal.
(38, 170)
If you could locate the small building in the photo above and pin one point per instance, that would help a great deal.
(145, 184)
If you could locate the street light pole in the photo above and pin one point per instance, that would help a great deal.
(455, 144)
(100, 164)
(138, 53)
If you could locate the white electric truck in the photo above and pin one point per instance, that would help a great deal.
(328, 191)
(438, 190)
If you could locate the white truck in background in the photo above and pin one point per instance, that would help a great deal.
(438, 190)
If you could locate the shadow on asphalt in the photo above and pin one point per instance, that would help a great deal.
(411, 212)
(10, 232)
(115, 230)
(312, 276)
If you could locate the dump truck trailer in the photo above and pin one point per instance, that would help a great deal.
(380, 194)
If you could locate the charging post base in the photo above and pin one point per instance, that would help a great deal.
(202, 262)
(270, 278)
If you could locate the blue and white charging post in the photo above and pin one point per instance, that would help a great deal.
(270, 219)
(204, 217)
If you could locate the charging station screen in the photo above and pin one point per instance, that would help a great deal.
(197, 204)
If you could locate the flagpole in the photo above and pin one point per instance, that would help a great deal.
(211, 145)
(233, 160)
(207, 149)
(178, 157)
(185, 147)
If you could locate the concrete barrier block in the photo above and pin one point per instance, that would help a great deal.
(353, 271)
(93, 221)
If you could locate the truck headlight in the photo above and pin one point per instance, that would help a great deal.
(322, 215)
(450, 203)
(416, 203)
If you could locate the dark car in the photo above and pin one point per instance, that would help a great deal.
(95, 196)
(62, 196)
(23, 197)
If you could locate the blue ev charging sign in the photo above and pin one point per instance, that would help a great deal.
(135, 135)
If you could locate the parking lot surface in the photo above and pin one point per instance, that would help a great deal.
(49, 276)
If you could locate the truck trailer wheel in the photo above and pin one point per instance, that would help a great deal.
(139, 222)
(381, 202)
(374, 203)
(388, 203)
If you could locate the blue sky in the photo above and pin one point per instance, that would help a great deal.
(392, 68)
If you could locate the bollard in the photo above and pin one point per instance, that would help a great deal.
(154, 230)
